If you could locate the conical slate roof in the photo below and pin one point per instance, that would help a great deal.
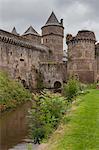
(52, 20)
(14, 31)
(30, 30)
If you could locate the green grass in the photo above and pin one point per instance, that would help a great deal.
(82, 129)
(12, 93)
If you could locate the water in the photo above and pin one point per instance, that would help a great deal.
(14, 127)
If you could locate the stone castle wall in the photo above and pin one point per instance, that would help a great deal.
(33, 38)
(53, 72)
(25, 58)
(20, 57)
(81, 56)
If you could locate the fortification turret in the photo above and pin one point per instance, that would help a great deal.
(32, 35)
(81, 55)
(52, 36)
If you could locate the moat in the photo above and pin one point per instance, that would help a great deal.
(14, 127)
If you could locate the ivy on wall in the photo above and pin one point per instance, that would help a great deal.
(40, 78)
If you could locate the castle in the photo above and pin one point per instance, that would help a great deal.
(37, 60)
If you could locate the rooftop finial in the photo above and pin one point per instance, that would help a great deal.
(61, 22)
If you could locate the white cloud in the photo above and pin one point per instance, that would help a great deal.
(77, 14)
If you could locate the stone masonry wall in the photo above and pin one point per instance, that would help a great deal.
(81, 57)
(53, 72)
(33, 38)
(53, 38)
(20, 57)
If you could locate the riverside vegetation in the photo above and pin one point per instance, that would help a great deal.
(78, 130)
(48, 110)
(12, 93)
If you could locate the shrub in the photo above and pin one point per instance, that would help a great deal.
(12, 93)
(45, 115)
(83, 87)
(91, 86)
(71, 89)
(40, 84)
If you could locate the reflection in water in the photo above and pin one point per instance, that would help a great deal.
(13, 126)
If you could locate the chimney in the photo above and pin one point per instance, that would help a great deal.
(61, 22)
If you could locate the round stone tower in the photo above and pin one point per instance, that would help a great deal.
(52, 37)
(81, 56)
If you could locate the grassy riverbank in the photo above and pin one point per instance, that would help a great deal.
(81, 130)
(12, 93)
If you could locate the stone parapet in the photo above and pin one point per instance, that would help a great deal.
(83, 35)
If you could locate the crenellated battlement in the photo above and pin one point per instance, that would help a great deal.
(85, 34)
(82, 36)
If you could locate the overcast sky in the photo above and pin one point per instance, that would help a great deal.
(77, 14)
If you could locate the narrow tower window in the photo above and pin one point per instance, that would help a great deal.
(42, 41)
